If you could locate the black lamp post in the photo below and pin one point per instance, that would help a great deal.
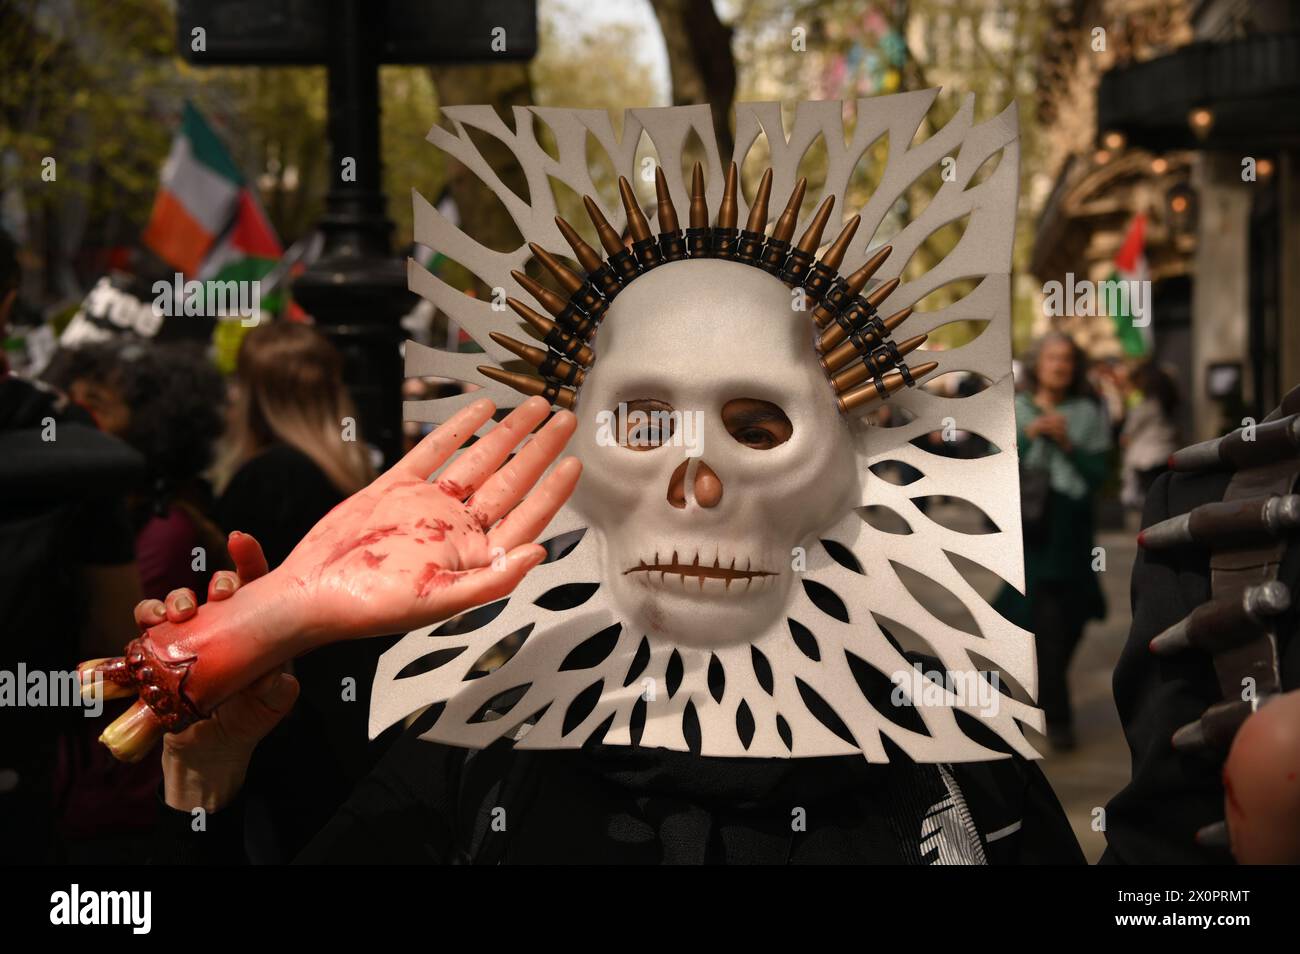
(356, 291)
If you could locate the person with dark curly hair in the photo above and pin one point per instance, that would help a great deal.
(167, 401)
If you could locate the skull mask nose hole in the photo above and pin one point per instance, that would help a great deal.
(677, 486)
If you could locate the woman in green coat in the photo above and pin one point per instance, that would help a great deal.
(1061, 431)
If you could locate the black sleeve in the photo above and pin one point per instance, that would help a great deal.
(404, 812)
(278, 497)
(1154, 819)
(182, 838)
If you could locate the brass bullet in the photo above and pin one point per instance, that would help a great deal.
(789, 217)
(749, 244)
(894, 380)
(621, 260)
(699, 237)
(835, 254)
(599, 273)
(569, 280)
(526, 384)
(667, 213)
(672, 246)
(824, 271)
(840, 295)
(861, 340)
(636, 220)
(699, 216)
(757, 221)
(584, 253)
(857, 313)
(547, 298)
(609, 238)
(548, 363)
(724, 238)
(727, 210)
(552, 335)
(876, 362)
(802, 255)
(812, 236)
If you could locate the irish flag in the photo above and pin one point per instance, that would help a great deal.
(1130, 267)
(206, 221)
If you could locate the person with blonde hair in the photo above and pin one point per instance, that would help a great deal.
(292, 453)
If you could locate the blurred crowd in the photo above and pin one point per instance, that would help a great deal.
(123, 467)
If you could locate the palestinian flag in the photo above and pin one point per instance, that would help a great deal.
(1130, 267)
(206, 220)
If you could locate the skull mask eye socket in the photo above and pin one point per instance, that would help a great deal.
(761, 425)
(645, 424)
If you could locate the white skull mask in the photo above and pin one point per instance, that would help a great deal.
(635, 660)
(699, 549)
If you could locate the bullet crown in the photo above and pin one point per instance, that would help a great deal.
(851, 341)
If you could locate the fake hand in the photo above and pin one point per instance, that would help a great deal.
(205, 765)
(404, 552)
(400, 554)
(1261, 782)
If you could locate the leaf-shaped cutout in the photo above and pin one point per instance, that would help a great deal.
(568, 205)
(812, 166)
(995, 677)
(499, 705)
(691, 728)
(986, 169)
(939, 601)
(762, 669)
(956, 514)
(744, 724)
(546, 137)
(469, 621)
(642, 179)
(593, 650)
(605, 181)
(804, 640)
(560, 546)
(897, 472)
(783, 730)
(673, 673)
(885, 519)
(888, 697)
(842, 555)
(949, 293)
(821, 711)
(429, 662)
(504, 235)
(566, 596)
(936, 246)
(639, 662)
(954, 334)
(938, 443)
(981, 579)
(717, 678)
(636, 721)
(693, 151)
(583, 704)
(956, 384)
(889, 415)
(904, 639)
(980, 732)
(500, 652)
(752, 167)
(826, 600)
(867, 172)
